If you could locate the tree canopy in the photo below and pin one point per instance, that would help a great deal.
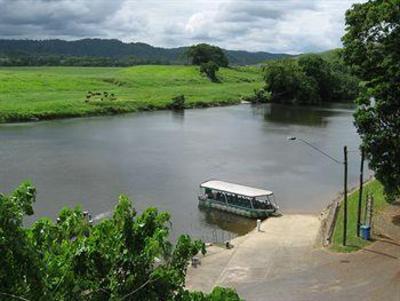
(125, 257)
(372, 49)
(310, 79)
(203, 53)
(288, 83)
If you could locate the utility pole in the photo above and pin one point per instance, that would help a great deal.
(360, 192)
(345, 197)
(293, 138)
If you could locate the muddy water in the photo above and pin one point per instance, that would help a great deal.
(159, 159)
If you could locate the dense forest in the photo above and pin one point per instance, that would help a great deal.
(100, 52)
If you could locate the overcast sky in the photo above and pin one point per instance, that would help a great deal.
(290, 26)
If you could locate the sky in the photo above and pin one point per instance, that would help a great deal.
(290, 26)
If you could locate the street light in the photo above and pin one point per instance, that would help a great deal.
(292, 138)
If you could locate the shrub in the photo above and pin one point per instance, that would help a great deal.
(178, 103)
(259, 96)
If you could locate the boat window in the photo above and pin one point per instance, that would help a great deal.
(262, 202)
(271, 198)
(242, 201)
(209, 193)
(231, 198)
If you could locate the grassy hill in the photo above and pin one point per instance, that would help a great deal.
(57, 92)
(328, 55)
(331, 55)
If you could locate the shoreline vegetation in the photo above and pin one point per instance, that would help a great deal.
(354, 243)
(46, 93)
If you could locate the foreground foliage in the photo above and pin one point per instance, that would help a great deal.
(310, 79)
(126, 257)
(371, 47)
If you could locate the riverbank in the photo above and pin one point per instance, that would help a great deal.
(43, 93)
(354, 242)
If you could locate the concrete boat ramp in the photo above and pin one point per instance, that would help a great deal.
(282, 244)
(284, 261)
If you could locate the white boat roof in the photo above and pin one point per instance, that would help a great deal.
(235, 188)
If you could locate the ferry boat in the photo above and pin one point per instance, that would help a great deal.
(237, 199)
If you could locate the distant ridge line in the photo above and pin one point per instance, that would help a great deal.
(116, 49)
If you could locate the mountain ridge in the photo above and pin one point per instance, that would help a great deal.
(117, 50)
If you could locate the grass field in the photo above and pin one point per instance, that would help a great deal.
(55, 92)
(355, 243)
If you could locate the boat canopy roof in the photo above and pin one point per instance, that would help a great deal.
(235, 188)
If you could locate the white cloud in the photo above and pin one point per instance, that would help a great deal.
(259, 25)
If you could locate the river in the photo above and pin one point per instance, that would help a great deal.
(160, 158)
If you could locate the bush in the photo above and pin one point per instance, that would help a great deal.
(259, 96)
(178, 103)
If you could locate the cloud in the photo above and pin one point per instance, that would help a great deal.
(55, 18)
(260, 25)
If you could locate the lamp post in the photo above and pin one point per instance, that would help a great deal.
(292, 138)
(360, 192)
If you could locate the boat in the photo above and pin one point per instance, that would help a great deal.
(237, 199)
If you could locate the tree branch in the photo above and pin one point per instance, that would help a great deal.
(138, 289)
(14, 296)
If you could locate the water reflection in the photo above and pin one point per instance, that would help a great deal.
(227, 221)
(298, 115)
(178, 116)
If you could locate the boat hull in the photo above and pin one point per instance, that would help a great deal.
(247, 212)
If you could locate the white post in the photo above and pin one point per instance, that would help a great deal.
(258, 225)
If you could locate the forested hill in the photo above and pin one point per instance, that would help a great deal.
(106, 53)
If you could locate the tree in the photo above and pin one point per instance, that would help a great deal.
(204, 53)
(316, 67)
(288, 83)
(210, 69)
(125, 257)
(311, 79)
(371, 48)
(20, 268)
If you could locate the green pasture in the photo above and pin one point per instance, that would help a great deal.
(31, 93)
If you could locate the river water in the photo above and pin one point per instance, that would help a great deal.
(160, 158)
